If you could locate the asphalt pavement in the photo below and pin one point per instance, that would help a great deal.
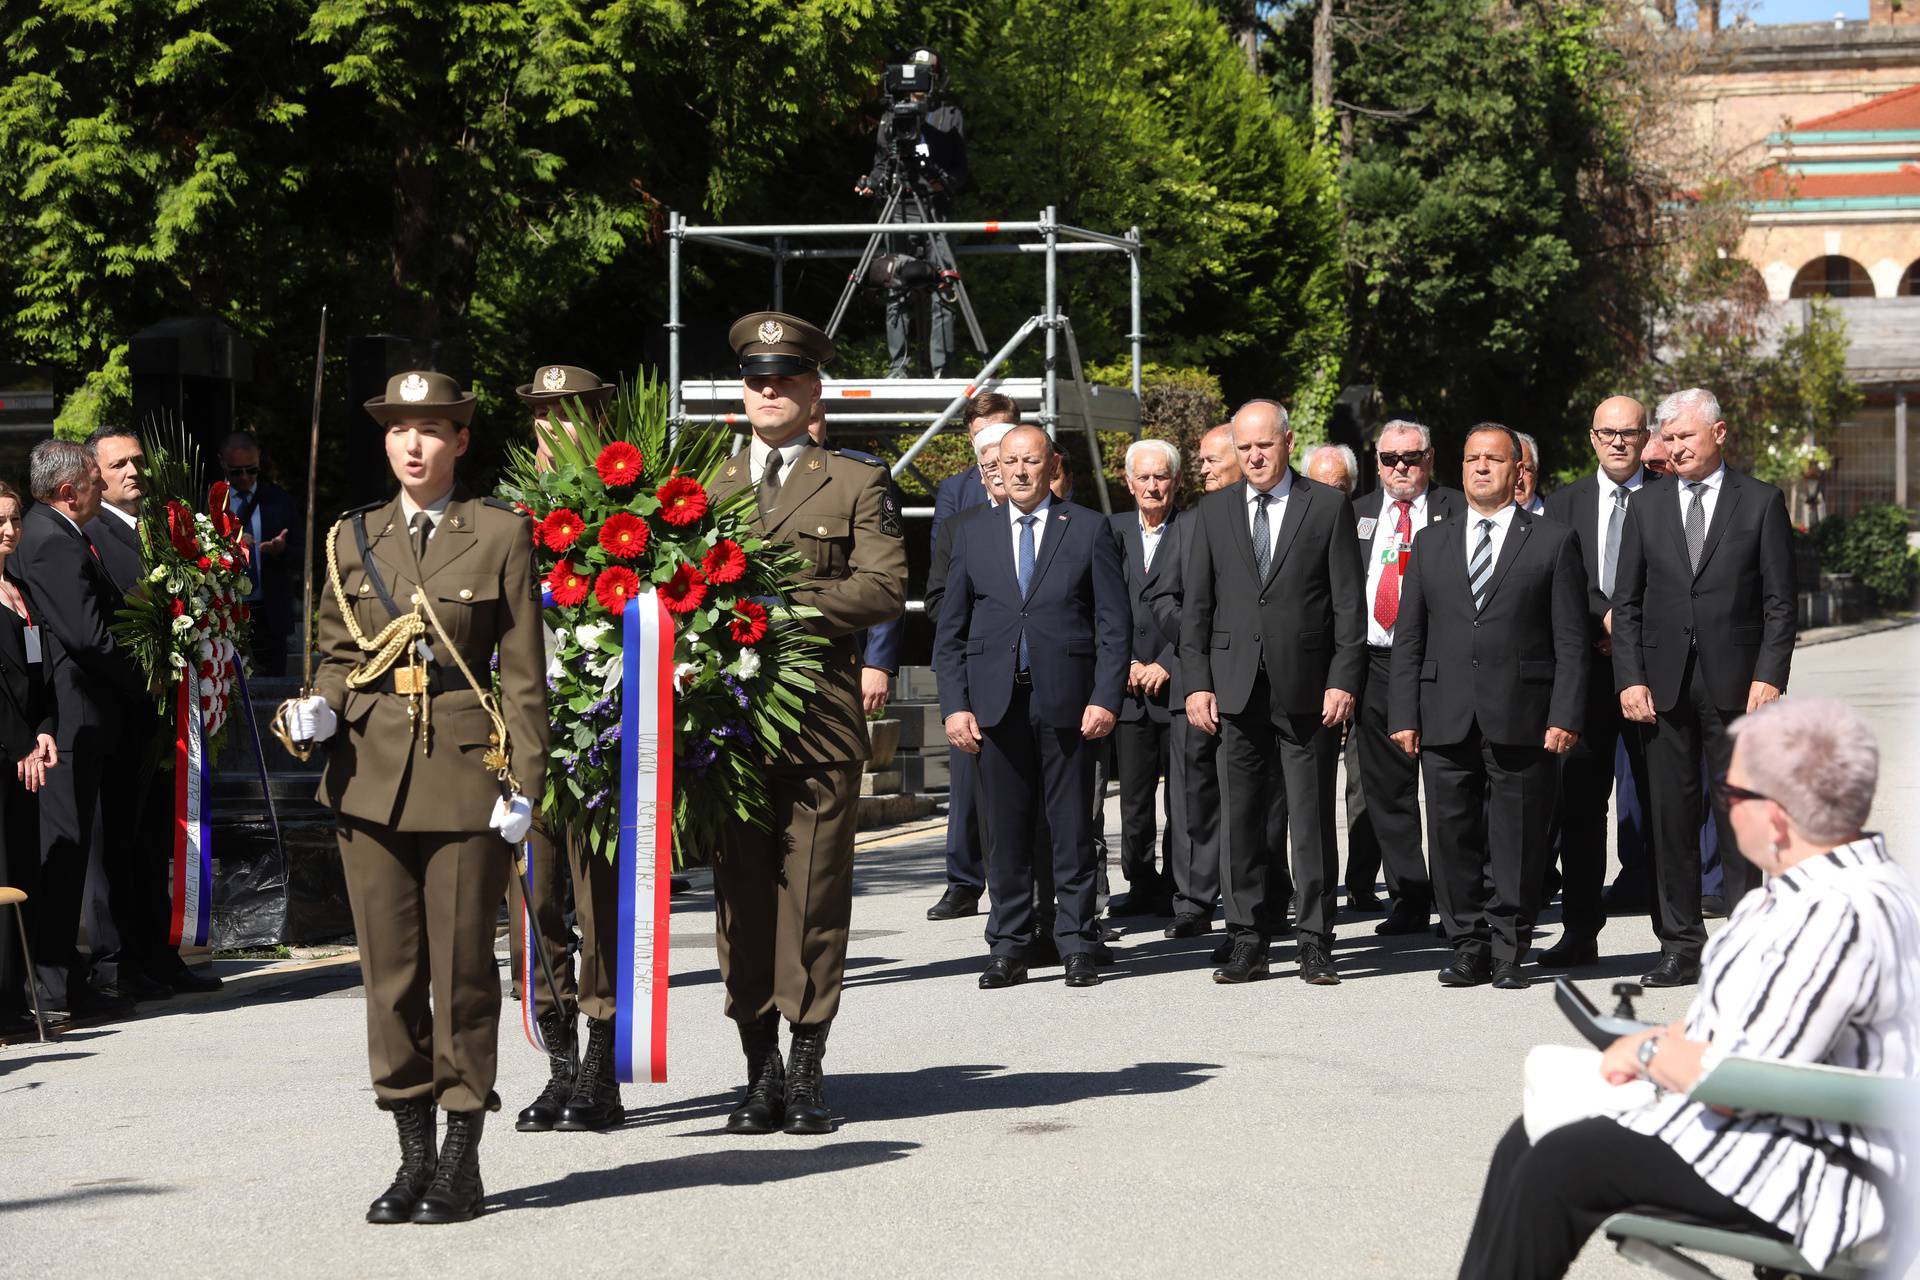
(1155, 1125)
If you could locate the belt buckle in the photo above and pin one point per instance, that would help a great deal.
(410, 681)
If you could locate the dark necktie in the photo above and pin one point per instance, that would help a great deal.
(1262, 535)
(422, 530)
(770, 482)
(1024, 567)
(1696, 522)
(1616, 521)
(1480, 567)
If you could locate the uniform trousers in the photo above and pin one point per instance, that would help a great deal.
(1542, 1201)
(549, 924)
(783, 896)
(1390, 780)
(1489, 805)
(424, 907)
(1306, 754)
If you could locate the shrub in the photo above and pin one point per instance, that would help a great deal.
(1872, 546)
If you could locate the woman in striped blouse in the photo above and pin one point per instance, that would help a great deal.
(1821, 964)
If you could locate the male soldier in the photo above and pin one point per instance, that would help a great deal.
(784, 896)
(580, 1094)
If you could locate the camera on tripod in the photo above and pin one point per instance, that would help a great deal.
(909, 87)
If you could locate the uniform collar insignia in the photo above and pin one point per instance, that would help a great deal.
(814, 465)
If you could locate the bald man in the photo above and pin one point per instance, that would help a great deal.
(1596, 507)
(1219, 465)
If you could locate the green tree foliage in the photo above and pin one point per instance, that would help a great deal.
(1872, 546)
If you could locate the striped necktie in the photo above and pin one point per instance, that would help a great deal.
(1480, 567)
(1262, 535)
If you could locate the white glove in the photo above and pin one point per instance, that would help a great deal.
(512, 816)
(310, 719)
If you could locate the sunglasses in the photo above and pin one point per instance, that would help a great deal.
(1729, 795)
(234, 473)
(1618, 437)
(1409, 460)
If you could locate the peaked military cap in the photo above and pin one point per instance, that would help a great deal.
(772, 342)
(554, 382)
(422, 393)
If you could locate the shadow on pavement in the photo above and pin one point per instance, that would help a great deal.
(13, 1063)
(747, 1167)
(80, 1194)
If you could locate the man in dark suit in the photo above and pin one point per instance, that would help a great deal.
(71, 588)
(1032, 649)
(1489, 689)
(957, 494)
(1703, 630)
(1150, 538)
(1273, 644)
(1385, 522)
(1595, 508)
(270, 527)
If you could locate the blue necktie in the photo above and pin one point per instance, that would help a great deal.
(1025, 571)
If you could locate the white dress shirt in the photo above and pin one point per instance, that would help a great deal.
(1536, 505)
(759, 451)
(1039, 529)
(436, 512)
(1607, 486)
(1502, 521)
(1276, 510)
(132, 522)
(1150, 543)
(1709, 496)
(1385, 543)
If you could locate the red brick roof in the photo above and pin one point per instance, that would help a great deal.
(1774, 183)
(1889, 111)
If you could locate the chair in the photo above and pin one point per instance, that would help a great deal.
(16, 898)
(1655, 1237)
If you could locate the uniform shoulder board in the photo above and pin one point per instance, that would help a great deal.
(856, 455)
(362, 510)
(502, 504)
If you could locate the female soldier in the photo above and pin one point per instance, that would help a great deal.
(425, 590)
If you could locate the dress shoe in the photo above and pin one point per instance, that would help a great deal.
(563, 1069)
(1188, 925)
(185, 980)
(87, 1001)
(455, 1194)
(954, 904)
(1569, 953)
(1672, 971)
(1362, 900)
(417, 1162)
(1101, 953)
(1316, 963)
(1002, 971)
(1713, 906)
(1507, 977)
(1224, 952)
(1142, 902)
(1081, 970)
(807, 1111)
(1465, 971)
(135, 985)
(1246, 962)
(1043, 950)
(1405, 916)
(1106, 930)
(765, 1105)
(595, 1105)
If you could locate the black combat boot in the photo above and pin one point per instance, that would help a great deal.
(806, 1095)
(417, 1162)
(595, 1103)
(563, 1057)
(456, 1193)
(766, 1099)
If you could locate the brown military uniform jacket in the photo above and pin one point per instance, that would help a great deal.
(837, 512)
(479, 576)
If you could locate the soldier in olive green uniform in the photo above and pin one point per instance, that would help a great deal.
(784, 897)
(580, 1094)
(428, 774)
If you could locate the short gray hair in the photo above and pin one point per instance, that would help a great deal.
(1403, 424)
(1148, 444)
(1531, 443)
(54, 463)
(1347, 460)
(1698, 401)
(1817, 759)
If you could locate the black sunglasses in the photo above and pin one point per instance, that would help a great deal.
(1729, 795)
(236, 472)
(1403, 459)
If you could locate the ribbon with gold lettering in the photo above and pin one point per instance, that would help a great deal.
(645, 849)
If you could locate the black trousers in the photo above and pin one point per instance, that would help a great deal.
(1026, 764)
(1199, 798)
(1390, 781)
(69, 810)
(1585, 809)
(1044, 906)
(1145, 773)
(1306, 755)
(136, 847)
(1488, 809)
(1693, 729)
(966, 854)
(1541, 1203)
(19, 868)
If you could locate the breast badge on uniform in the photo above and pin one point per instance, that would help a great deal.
(890, 516)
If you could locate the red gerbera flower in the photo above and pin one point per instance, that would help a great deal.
(725, 563)
(624, 535)
(682, 500)
(615, 587)
(684, 591)
(619, 465)
(749, 625)
(568, 584)
(561, 529)
(180, 529)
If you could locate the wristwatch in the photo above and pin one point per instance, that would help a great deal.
(1648, 1047)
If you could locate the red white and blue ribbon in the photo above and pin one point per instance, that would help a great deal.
(192, 832)
(645, 851)
(529, 960)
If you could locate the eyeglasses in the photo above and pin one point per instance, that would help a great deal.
(1729, 795)
(1408, 460)
(1618, 437)
(234, 473)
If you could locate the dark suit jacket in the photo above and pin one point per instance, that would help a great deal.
(1305, 620)
(1441, 503)
(79, 600)
(1074, 615)
(279, 576)
(1515, 667)
(1154, 601)
(954, 495)
(1738, 611)
(119, 546)
(26, 689)
(1578, 507)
